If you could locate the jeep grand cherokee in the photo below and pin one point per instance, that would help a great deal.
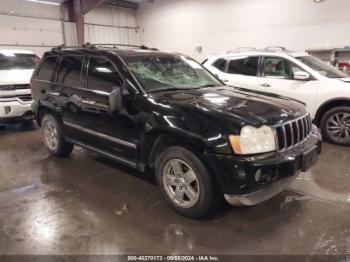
(165, 113)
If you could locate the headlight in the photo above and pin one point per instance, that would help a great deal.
(253, 140)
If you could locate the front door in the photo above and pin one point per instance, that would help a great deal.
(278, 78)
(116, 134)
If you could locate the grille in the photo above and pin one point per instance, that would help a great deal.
(13, 87)
(293, 133)
(25, 98)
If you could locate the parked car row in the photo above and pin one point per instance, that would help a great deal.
(243, 138)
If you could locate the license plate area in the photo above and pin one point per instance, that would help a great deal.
(308, 159)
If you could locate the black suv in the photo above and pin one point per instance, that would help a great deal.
(165, 113)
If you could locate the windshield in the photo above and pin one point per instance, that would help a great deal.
(164, 72)
(322, 67)
(18, 61)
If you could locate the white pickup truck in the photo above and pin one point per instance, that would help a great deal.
(16, 68)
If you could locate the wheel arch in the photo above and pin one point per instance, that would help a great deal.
(42, 110)
(329, 105)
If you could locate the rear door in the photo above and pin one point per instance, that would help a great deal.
(242, 71)
(68, 91)
(278, 78)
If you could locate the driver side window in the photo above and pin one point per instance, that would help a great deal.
(280, 68)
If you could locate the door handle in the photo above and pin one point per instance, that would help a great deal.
(265, 85)
(55, 93)
(225, 80)
(89, 102)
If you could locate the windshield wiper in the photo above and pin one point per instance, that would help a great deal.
(168, 89)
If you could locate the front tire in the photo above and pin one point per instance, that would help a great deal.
(335, 125)
(185, 183)
(53, 137)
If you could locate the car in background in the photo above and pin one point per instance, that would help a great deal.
(163, 112)
(323, 88)
(16, 68)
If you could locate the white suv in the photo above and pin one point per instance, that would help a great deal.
(323, 88)
(16, 68)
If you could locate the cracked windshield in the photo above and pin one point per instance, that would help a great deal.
(164, 72)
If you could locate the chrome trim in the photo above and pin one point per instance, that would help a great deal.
(92, 132)
(298, 130)
(305, 128)
(106, 154)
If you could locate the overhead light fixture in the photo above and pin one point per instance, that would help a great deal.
(44, 2)
(319, 1)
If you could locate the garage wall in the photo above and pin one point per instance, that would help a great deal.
(111, 25)
(221, 25)
(28, 25)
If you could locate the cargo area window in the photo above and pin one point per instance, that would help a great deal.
(46, 69)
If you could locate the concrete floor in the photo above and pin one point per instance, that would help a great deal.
(88, 205)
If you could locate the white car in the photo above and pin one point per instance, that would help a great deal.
(16, 69)
(323, 88)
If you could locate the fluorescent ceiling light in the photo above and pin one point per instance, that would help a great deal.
(44, 2)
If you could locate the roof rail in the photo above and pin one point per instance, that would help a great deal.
(86, 45)
(276, 48)
(95, 46)
(128, 45)
(242, 48)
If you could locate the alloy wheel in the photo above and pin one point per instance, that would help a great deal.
(181, 183)
(50, 134)
(338, 127)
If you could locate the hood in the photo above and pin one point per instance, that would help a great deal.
(15, 76)
(346, 80)
(247, 107)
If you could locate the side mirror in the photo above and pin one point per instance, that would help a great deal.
(115, 101)
(301, 75)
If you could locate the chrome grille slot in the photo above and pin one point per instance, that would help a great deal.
(293, 133)
(25, 98)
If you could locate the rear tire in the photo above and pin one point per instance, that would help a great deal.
(335, 125)
(185, 183)
(53, 137)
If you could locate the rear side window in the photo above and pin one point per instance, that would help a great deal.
(47, 67)
(244, 66)
(69, 73)
(102, 75)
(220, 64)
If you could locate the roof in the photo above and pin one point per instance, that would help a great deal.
(259, 52)
(14, 51)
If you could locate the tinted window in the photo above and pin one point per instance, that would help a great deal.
(10, 60)
(244, 66)
(277, 68)
(46, 69)
(70, 70)
(102, 75)
(220, 64)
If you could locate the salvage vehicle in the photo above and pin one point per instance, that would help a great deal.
(16, 69)
(164, 113)
(324, 88)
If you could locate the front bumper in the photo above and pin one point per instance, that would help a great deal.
(12, 110)
(249, 180)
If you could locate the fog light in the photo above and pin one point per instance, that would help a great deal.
(258, 175)
(7, 109)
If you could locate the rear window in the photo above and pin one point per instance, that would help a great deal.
(69, 73)
(243, 66)
(46, 68)
(9, 60)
